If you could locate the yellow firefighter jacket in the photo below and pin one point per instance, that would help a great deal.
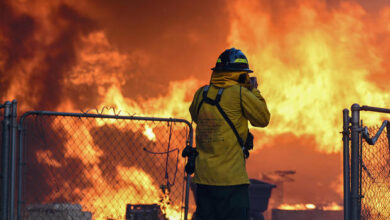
(221, 161)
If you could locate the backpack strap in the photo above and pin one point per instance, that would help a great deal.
(207, 99)
(239, 139)
(224, 115)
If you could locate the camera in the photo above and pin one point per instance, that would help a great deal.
(191, 153)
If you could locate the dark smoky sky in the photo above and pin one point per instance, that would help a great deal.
(182, 39)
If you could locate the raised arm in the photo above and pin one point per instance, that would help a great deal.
(254, 107)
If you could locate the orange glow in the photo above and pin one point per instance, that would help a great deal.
(333, 206)
(297, 206)
(148, 132)
(311, 58)
(312, 62)
(46, 157)
(104, 198)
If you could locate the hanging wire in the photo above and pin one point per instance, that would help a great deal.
(164, 152)
(168, 184)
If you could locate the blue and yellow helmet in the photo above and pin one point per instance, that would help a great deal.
(232, 60)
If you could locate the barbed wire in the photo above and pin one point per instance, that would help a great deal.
(108, 108)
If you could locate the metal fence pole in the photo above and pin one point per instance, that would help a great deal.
(188, 177)
(355, 212)
(14, 125)
(347, 180)
(5, 153)
(20, 172)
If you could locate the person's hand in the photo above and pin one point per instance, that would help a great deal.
(253, 83)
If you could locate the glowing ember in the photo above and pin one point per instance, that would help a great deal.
(333, 206)
(46, 157)
(148, 132)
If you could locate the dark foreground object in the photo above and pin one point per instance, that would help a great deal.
(259, 194)
(143, 212)
(222, 202)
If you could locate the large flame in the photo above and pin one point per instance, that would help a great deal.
(312, 62)
(312, 59)
(105, 199)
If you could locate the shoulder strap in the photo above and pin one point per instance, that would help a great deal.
(239, 139)
(224, 115)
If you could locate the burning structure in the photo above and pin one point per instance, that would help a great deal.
(313, 58)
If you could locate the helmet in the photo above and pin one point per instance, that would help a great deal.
(232, 60)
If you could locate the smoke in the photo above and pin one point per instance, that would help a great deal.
(40, 52)
(16, 44)
(312, 58)
(45, 46)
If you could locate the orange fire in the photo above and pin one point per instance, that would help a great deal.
(333, 206)
(105, 199)
(312, 62)
(312, 59)
(297, 206)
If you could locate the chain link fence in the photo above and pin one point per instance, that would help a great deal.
(375, 178)
(366, 161)
(102, 167)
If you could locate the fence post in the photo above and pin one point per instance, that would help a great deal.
(20, 170)
(347, 180)
(187, 195)
(5, 154)
(14, 126)
(188, 177)
(355, 212)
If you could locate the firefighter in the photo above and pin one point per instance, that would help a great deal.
(221, 112)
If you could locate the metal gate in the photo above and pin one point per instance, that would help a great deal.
(92, 166)
(102, 165)
(366, 166)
